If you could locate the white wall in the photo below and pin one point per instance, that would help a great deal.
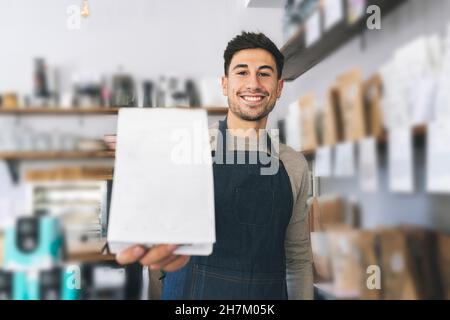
(147, 38)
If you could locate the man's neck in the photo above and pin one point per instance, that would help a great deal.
(244, 128)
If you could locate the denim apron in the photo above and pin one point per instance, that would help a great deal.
(248, 259)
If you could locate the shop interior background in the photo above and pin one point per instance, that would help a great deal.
(184, 40)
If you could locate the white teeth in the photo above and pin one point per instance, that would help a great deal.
(252, 99)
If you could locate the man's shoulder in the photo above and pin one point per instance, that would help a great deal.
(295, 165)
(290, 157)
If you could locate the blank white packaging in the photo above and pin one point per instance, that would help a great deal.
(163, 190)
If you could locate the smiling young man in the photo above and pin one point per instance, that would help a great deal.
(262, 248)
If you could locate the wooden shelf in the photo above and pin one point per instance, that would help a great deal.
(91, 257)
(91, 111)
(89, 253)
(417, 132)
(59, 111)
(50, 155)
(299, 59)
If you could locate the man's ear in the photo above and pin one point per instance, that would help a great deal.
(225, 86)
(280, 87)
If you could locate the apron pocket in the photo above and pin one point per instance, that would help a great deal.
(254, 207)
(213, 283)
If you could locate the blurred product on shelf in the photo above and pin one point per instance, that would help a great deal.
(409, 90)
(345, 262)
(149, 93)
(109, 281)
(33, 242)
(319, 243)
(87, 92)
(90, 145)
(6, 285)
(410, 78)
(328, 214)
(34, 268)
(79, 203)
(307, 105)
(123, 91)
(373, 90)
(58, 88)
(193, 94)
(444, 263)
(423, 248)
(330, 129)
(41, 89)
(295, 14)
(404, 262)
(10, 101)
(351, 105)
(398, 278)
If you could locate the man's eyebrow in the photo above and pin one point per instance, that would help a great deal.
(240, 66)
(266, 67)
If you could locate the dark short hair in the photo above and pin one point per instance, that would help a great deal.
(250, 40)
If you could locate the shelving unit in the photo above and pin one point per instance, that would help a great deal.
(51, 155)
(418, 132)
(211, 110)
(90, 253)
(299, 59)
(13, 158)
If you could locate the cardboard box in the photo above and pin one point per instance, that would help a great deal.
(444, 263)
(332, 127)
(321, 257)
(331, 212)
(422, 246)
(307, 105)
(398, 280)
(319, 245)
(373, 90)
(351, 104)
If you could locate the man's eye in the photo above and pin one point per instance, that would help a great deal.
(242, 73)
(264, 74)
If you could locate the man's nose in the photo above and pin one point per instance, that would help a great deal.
(253, 82)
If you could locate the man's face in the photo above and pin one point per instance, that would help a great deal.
(252, 86)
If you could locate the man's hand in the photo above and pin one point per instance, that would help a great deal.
(110, 140)
(156, 258)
